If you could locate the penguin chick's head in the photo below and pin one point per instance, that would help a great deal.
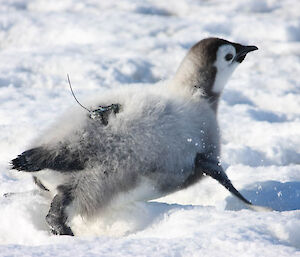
(209, 64)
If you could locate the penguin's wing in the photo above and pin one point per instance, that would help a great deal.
(40, 158)
(211, 167)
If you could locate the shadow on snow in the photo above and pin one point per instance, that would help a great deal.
(276, 195)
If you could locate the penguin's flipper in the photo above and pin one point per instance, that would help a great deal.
(39, 158)
(213, 169)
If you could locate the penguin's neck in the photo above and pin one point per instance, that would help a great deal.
(197, 81)
(213, 100)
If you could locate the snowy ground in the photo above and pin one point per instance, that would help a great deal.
(104, 44)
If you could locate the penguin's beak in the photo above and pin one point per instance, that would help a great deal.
(242, 52)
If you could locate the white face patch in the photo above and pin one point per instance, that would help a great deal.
(224, 66)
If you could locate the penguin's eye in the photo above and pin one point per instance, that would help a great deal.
(228, 57)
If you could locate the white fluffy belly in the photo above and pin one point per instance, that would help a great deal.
(143, 192)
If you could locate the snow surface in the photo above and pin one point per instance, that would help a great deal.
(105, 44)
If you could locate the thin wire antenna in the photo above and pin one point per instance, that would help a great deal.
(75, 96)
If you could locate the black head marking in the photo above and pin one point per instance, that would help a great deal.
(206, 49)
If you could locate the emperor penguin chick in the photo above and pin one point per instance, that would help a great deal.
(163, 139)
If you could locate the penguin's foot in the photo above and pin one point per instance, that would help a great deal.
(57, 227)
(57, 217)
